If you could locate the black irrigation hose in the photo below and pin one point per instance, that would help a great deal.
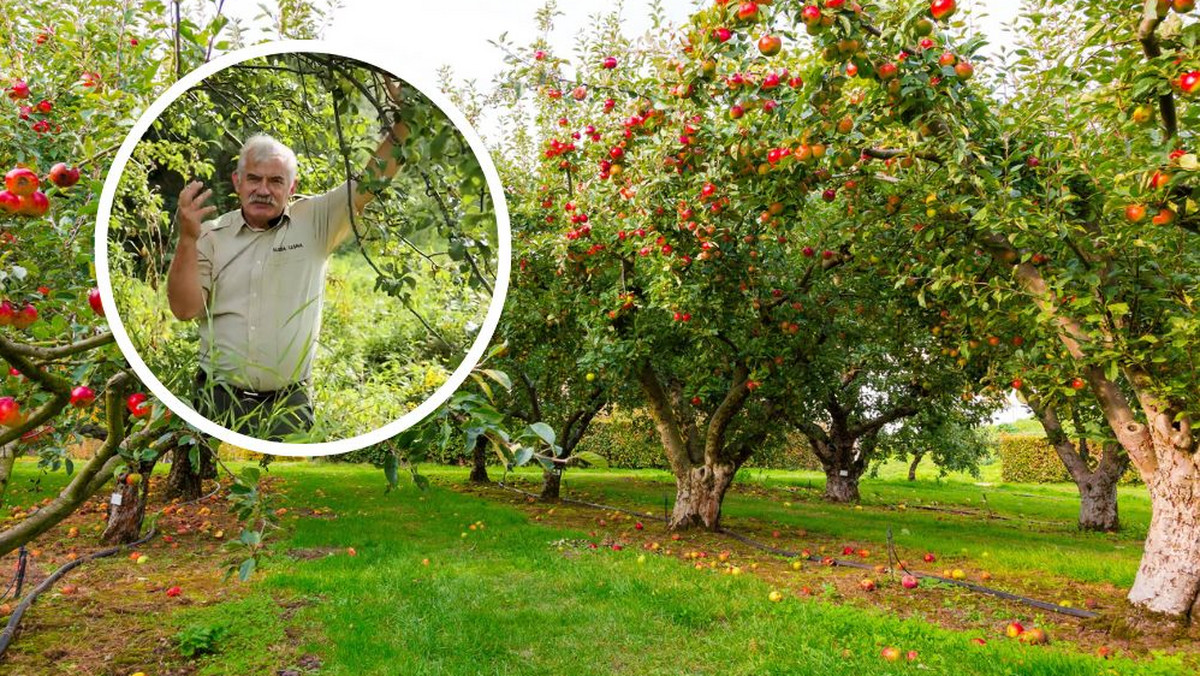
(10, 630)
(1044, 605)
(18, 579)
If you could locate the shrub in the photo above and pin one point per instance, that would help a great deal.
(1029, 458)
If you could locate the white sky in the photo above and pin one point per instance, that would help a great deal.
(415, 38)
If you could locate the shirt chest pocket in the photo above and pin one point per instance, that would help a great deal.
(287, 277)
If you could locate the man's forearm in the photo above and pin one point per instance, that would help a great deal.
(184, 293)
(383, 163)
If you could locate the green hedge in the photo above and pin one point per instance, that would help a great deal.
(1029, 458)
(626, 438)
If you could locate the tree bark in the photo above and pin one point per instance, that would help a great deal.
(912, 466)
(1097, 485)
(1098, 504)
(698, 497)
(1168, 579)
(125, 519)
(703, 461)
(479, 473)
(184, 482)
(551, 484)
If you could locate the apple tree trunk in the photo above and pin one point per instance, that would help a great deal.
(551, 484)
(1098, 504)
(844, 460)
(479, 473)
(183, 481)
(912, 466)
(699, 493)
(1168, 579)
(126, 513)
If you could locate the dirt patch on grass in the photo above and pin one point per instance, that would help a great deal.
(114, 615)
(1117, 630)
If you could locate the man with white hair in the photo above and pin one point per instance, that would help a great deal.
(255, 280)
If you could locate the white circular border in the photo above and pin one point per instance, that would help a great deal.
(474, 354)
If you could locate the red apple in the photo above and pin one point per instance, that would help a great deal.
(18, 90)
(1189, 82)
(63, 176)
(174, 591)
(964, 70)
(911, 656)
(747, 11)
(10, 412)
(722, 34)
(1183, 6)
(82, 396)
(610, 62)
(909, 582)
(811, 15)
(95, 301)
(867, 585)
(947, 59)
(930, 558)
(887, 71)
(1035, 636)
(25, 317)
(21, 181)
(891, 654)
(10, 202)
(1016, 383)
(769, 45)
(942, 9)
(35, 205)
(136, 403)
(1163, 217)
(1135, 213)
(1077, 384)
(44, 106)
(1014, 629)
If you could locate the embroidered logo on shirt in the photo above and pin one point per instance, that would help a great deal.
(289, 247)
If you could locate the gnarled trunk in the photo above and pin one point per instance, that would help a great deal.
(183, 482)
(1098, 503)
(1168, 579)
(1097, 485)
(841, 485)
(702, 460)
(698, 496)
(126, 512)
(479, 473)
(844, 460)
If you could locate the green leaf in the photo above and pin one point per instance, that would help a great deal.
(246, 569)
(544, 431)
(593, 459)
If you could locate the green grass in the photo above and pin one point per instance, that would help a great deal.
(507, 600)
(1038, 534)
(504, 600)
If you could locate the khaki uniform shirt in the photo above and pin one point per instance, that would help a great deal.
(265, 290)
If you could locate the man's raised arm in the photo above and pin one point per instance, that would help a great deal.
(184, 291)
(383, 164)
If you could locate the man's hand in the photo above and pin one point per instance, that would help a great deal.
(184, 291)
(191, 211)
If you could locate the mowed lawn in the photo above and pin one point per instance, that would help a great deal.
(425, 593)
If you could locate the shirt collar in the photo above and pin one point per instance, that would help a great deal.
(285, 217)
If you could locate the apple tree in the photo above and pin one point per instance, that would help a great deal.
(1042, 200)
(74, 76)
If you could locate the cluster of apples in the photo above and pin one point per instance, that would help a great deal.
(21, 195)
(21, 319)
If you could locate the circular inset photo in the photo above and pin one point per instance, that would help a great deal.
(301, 253)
